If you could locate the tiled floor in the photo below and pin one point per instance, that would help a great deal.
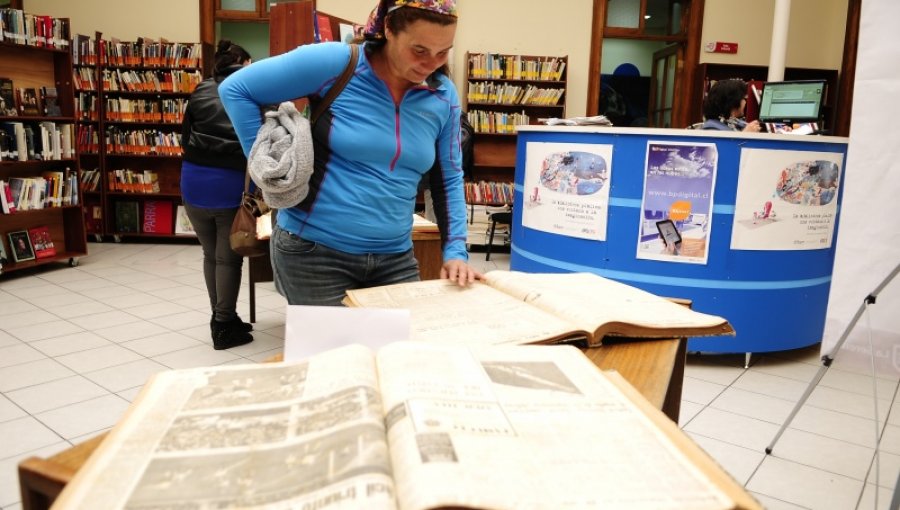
(76, 344)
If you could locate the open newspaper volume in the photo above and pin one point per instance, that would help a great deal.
(414, 426)
(510, 307)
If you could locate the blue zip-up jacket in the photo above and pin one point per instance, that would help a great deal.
(370, 153)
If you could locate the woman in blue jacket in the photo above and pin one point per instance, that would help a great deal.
(396, 117)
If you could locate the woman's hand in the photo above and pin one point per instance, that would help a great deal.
(460, 272)
(752, 127)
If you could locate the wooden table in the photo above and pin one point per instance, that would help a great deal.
(654, 367)
(426, 247)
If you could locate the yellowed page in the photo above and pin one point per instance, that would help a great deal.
(301, 435)
(526, 427)
(478, 315)
(590, 301)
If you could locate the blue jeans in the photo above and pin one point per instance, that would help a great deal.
(308, 273)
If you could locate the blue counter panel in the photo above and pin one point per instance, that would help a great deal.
(775, 300)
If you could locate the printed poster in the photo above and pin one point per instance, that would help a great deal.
(567, 188)
(786, 200)
(679, 179)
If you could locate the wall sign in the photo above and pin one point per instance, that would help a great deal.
(721, 47)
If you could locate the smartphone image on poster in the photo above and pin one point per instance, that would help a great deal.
(668, 233)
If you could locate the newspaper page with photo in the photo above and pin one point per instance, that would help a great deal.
(518, 427)
(301, 435)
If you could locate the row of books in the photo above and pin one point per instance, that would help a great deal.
(44, 141)
(34, 243)
(84, 51)
(86, 106)
(31, 101)
(147, 216)
(142, 141)
(19, 27)
(90, 180)
(150, 81)
(506, 93)
(84, 78)
(485, 192)
(88, 139)
(150, 53)
(133, 181)
(145, 110)
(496, 122)
(514, 67)
(51, 189)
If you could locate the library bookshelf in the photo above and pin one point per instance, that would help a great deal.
(39, 166)
(503, 91)
(130, 131)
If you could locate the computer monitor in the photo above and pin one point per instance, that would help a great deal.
(791, 102)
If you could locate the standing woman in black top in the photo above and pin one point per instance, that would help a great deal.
(212, 180)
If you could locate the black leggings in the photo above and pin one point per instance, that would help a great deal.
(221, 265)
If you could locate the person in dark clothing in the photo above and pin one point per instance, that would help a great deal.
(212, 180)
(723, 107)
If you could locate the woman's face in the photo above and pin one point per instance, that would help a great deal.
(418, 51)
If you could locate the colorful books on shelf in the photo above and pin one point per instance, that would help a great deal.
(484, 192)
(19, 27)
(133, 181)
(509, 307)
(127, 216)
(41, 242)
(412, 426)
(158, 217)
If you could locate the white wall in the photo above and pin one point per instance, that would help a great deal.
(815, 33)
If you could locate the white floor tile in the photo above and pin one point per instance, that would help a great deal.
(700, 392)
(888, 470)
(66, 274)
(101, 357)
(104, 320)
(199, 356)
(824, 453)
(28, 318)
(687, 412)
(28, 374)
(7, 340)
(738, 430)
(739, 462)
(131, 331)
(133, 299)
(29, 433)
(770, 503)
(803, 485)
(14, 308)
(44, 330)
(18, 354)
(773, 385)
(858, 383)
(32, 287)
(67, 344)
(890, 439)
(155, 310)
(85, 417)
(753, 405)
(179, 292)
(131, 393)
(154, 284)
(836, 425)
(867, 501)
(265, 356)
(849, 402)
(82, 286)
(107, 292)
(87, 307)
(128, 375)
(50, 395)
(785, 368)
(185, 319)
(160, 344)
(706, 369)
(60, 299)
(262, 342)
(9, 410)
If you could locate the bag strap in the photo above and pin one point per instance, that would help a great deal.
(338, 86)
(329, 98)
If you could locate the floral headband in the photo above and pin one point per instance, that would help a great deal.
(375, 24)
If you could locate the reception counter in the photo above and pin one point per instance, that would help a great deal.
(757, 215)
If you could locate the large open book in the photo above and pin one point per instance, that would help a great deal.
(510, 307)
(416, 426)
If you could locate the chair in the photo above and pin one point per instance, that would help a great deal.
(503, 218)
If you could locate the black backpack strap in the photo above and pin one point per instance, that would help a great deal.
(338, 86)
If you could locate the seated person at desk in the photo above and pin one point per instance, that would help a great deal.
(723, 107)
(397, 114)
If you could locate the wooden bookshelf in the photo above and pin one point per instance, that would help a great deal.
(131, 122)
(503, 91)
(41, 59)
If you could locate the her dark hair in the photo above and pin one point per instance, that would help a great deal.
(723, 97)
(400, 19)
(227, 55)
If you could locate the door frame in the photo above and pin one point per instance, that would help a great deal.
(663, 54)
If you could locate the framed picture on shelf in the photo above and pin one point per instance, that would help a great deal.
(7, 98)
(20, 245)
(41, 242)
(3, 257)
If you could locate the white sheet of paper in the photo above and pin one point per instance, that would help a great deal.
(313, 329)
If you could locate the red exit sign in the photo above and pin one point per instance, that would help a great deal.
(721, 47)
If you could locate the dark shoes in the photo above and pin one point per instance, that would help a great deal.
(233, 333)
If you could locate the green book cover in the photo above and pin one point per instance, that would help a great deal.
(127, 217)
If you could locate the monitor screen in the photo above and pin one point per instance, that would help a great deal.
(791, 101)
